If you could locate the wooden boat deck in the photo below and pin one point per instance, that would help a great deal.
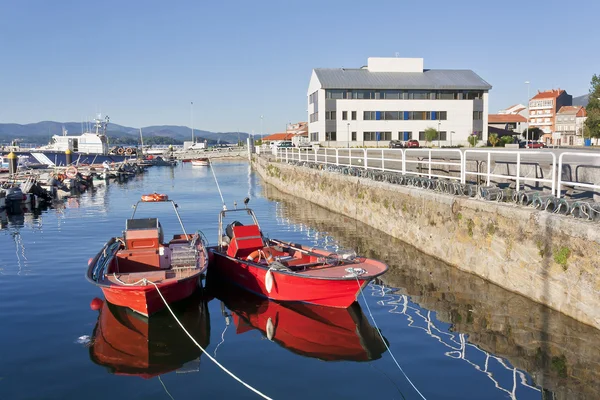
(162, 276)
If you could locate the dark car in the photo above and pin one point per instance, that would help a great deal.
(396, 144)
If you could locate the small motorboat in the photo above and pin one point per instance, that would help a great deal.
(286, 271)
(325, 333)
(127, 343)
(200, 162)
(128, 267)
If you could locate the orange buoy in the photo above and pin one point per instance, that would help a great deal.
(154, 197)
(96, 304)
(257, 255)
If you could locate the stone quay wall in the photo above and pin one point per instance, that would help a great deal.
(551, 259)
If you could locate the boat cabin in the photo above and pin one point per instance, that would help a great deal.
(145, 250)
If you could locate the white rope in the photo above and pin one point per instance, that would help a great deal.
(143, 280)
(164, 387)
(383, 339)
(204, 351)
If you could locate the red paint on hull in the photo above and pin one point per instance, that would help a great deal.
(145, 299)
(339, 293)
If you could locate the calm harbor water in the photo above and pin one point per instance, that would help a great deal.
(455, 335)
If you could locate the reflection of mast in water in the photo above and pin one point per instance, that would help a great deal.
(250, 182)
(19, 246)
(456, 342)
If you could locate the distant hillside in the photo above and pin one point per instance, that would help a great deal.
(581, 100)
(41, 132)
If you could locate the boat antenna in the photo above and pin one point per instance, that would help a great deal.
(212, 168)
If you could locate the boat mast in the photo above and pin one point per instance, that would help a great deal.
(142, 142)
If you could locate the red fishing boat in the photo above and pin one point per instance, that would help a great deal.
(326, 333)
(130, 269)
(130, 344)
(285, 271)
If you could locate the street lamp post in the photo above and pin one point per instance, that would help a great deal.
(528, 113)
(261, 129)
(439, 133)
(348, 132)
(192, 119)
(451, 132)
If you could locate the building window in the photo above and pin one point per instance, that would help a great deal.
(330, 136)
(477, 115)
(330, 115)
(344, 115)
(314, 136)
(354, 115)
(370, 136)
(335, 94)
(406, 135)
(314, 117)
(442, 115)
(312, 98)
(375, 136)
(353, 136)
(369, 115)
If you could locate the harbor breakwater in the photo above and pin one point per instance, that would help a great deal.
(551, 259)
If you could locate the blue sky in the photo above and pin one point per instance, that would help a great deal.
(143, 62)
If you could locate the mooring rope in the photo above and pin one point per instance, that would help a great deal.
(383, 339)
(204, 351)
(164, 387)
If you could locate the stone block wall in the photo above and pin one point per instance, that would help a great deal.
(551, 259)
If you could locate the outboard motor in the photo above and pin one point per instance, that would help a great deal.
(229, 228)
(14, 198)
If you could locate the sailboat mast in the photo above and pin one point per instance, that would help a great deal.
(142, 142)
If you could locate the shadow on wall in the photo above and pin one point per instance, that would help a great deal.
(561, 354)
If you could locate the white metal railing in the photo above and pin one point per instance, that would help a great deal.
(428, 162)
(387, 160)
(518, 161)
(595, 187)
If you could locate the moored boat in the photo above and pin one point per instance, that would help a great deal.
(200, 162)
(286, 271)
(130, 269)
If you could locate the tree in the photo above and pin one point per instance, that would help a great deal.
(493, 138)
(473, 139)
(431, 134)
(593, 108)
(507, 140)
(535, 133)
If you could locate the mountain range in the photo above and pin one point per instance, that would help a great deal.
(41, 132)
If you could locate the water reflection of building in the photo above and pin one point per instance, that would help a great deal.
(558, 352)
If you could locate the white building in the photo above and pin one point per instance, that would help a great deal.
(395, 98)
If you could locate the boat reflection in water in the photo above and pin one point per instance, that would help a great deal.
(326, 333)
(127, 343)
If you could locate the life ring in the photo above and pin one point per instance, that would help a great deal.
(71, 172)
(120, 150)
(259, 254)
(154, 197)
(129, 151)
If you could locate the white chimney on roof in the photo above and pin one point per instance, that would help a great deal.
(394, 64)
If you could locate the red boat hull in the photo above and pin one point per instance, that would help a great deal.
(339, 293)
(145, 300)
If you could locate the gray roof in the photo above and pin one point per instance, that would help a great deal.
(438, 79)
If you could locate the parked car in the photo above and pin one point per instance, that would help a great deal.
(535, 145)
(305, 146)
(396, 144)
(412, 143)
(285, 144)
